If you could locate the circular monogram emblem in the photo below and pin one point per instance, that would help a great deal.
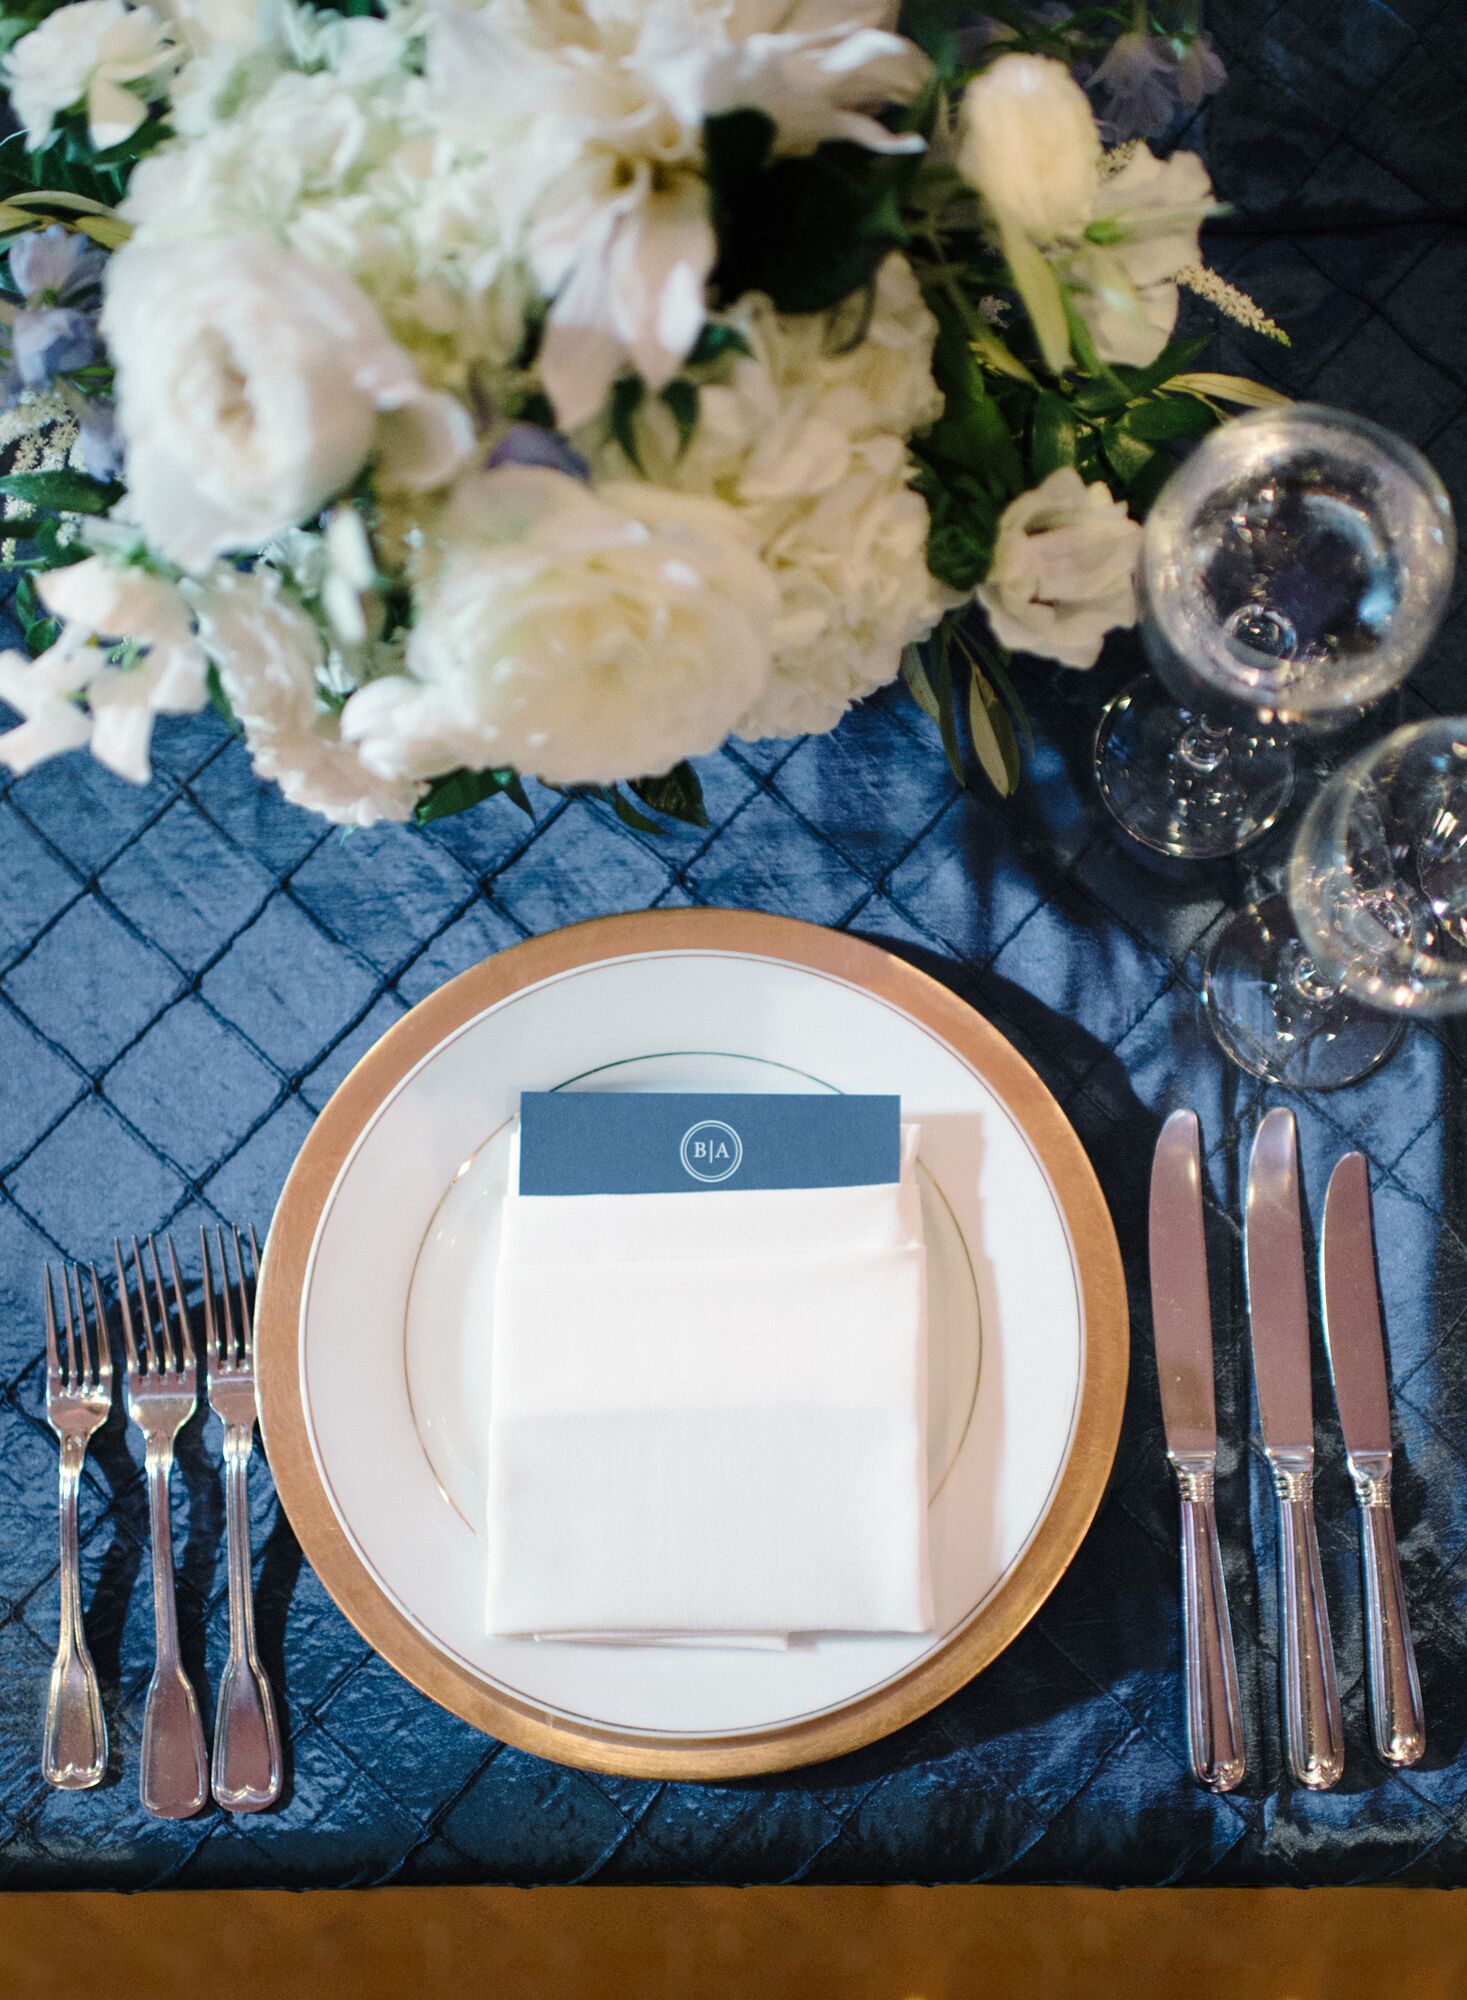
(711, 1151)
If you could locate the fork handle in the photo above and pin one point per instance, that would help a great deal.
(174, 1769)
(246, 1773)
(74, 1749)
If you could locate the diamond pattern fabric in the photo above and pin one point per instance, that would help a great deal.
(187, 970)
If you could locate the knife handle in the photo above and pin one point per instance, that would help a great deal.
(1397, 1720)
(1314, 1739)
(1214, 1713)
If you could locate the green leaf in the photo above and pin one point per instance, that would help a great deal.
(715, 341)
(456, 791)
(945, 720)
(40, 634)
(1232, 389)
(678, 794)
(1168, 417)
(1127, 456)
(993, 737)
(1056, 434)
(914, 675)
(218, 700)
(626, 399)
(627, 813)
(63, 492)
(681, 397)
(1043, 300)
(971, 432)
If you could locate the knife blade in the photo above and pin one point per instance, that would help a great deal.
(1278, 1302)
(1357, 1360)
(1278, 1314)
(1182, 1320)
(1181, 1310)
(1352, 1329)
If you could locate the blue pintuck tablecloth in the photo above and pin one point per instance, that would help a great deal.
(187, 971)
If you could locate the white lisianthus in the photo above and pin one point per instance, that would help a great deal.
(1149, 212)
(44, 694)
(252, 386)
(121, 604)
(809, 446)
(580, 636)
(598, 111)
(1027, 142)
(271, 664)
(89, 51)
(1063, 570)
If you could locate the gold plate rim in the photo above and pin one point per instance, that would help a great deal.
(1075, 1497)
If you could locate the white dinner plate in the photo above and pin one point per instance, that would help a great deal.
(375, 1325)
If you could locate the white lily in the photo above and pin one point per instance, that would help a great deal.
(88, 52)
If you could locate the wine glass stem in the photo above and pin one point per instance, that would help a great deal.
(1202, 746)
(1305, 979)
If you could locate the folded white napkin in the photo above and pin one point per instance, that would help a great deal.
(708, 1414)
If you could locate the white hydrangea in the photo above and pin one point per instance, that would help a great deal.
(809, 446)
(579, 636)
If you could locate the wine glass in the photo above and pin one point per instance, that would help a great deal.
(1312, 989)
(1292, 571)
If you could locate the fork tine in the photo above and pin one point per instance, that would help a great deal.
(53, 1358)
(254, 1256)
(73, 1277)
(231, 1351)
(180, 1307)
(103, 1376)
(122, 1299)
(245, 1342)
(70, 1330)
(213, 1340)
(165, 1345)
(143, 1308)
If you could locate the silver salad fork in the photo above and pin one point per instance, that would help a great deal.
(162, 1394)
(78, 1397)
(246, 1772)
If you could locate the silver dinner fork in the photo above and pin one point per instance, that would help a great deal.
(246, 1771)
(162, 1394)
(78, 1397)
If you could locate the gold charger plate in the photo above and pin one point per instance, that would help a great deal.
(1007, 1609)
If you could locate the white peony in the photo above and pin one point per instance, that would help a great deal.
(98, 599)
(1027, 142)
(582, 637)
(1124, 288)
(252, 386)
(1063, 570)
(89, 51)
(271, 663)
(809, 446)
(596, 111)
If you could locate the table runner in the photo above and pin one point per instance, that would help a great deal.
(186, 972)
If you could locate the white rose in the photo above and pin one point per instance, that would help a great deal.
(1063, 570)
(89, 50)
(580, 636)
(271, 663)
(251, 387)
(1125, 289)
(1027, 142)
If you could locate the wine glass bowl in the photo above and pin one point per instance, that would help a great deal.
(1295, 567)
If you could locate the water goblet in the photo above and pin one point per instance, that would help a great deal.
(1292, 571)
(1312, 989)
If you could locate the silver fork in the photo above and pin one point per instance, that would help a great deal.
(78, 1397)
(246, 1772)
(161, 1397)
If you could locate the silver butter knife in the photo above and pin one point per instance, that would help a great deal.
(1278, 1312)
(1182, 1321)
(1356, 1345)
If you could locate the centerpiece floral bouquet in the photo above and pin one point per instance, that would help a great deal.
(461, 390)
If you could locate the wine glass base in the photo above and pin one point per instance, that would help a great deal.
(1276, 1020)
(1181, 787)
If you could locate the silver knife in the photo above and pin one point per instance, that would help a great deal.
(1278, 1312)
(1182, 1320)
(1352, 1333)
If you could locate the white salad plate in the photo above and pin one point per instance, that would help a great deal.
(375, 1326)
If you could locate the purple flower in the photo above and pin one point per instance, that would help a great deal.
(532, 444)
(55, 266)
(59, 276)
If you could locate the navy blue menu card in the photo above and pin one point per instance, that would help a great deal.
(630, 1142)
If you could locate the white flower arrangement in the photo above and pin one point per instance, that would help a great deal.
(480, 389)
